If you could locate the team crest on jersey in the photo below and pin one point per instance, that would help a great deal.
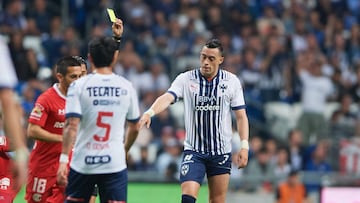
(184, 169)
(194, 87)
(37, 111)
(223, 87)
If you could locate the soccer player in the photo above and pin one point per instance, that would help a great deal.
(98, 106)
(46, 123)
(12, 125)
(7, 190)
(209, 93)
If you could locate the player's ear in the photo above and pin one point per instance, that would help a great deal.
(59, 77)
(221, 60)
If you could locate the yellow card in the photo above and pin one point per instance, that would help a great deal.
(111, 15)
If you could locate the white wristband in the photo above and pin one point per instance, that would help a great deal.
(150, 112)
(64, 158)
(245, 144)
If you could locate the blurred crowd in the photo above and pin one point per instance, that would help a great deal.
(303, 52)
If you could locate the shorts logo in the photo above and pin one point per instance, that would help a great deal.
(184, 169)
(36, 197)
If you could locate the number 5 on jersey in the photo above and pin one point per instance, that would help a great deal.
(101, 124)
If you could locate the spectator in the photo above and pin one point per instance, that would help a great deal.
(262, 170)
(292, 190)
(318, 164)
(144, 163)
(297, 149)
(316, 89)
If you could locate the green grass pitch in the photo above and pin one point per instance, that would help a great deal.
(149, 192)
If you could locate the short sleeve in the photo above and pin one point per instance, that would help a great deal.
(177, 86)
(133, 114)
(237, 99)
(40, 112)
(72, 106)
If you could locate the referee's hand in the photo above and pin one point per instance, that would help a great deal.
(241, 158)
(117, 27)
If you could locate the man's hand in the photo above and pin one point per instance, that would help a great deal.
(145, 120)
(117, 28)
(62, 174)
(241, 158)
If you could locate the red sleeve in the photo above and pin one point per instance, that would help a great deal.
(4, 144)
(39, 114)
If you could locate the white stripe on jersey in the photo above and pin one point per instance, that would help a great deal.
(208, 107)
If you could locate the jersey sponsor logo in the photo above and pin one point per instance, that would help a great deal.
(207, 108)
(90, 160)
(4, 183)
(206, 99)
(184, 169)
(106, 102)
(37, 111)
(58, 124)
(61, 111)
(106, 91)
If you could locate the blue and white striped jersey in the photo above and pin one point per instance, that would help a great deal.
(207, 109)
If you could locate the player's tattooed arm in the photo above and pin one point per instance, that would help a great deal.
(69, 133)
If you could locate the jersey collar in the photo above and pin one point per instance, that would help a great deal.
(57, 90)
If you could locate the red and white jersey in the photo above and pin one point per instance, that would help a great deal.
(8, 77)
(48, 113)
(4, 158)
(104, 103)
(6, 178)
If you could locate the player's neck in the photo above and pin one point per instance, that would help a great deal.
(103, 70)
(62, 89)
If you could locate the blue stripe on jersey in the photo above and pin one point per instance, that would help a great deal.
(133, 120)
(175, 96)
(216, 114)
(72, 115)
(238, 107)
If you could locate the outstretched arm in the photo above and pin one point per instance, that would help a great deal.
(160, 104)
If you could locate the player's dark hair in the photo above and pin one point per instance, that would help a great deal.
(65, 62)
(215, 44)
(81, 60)
(102, 51)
